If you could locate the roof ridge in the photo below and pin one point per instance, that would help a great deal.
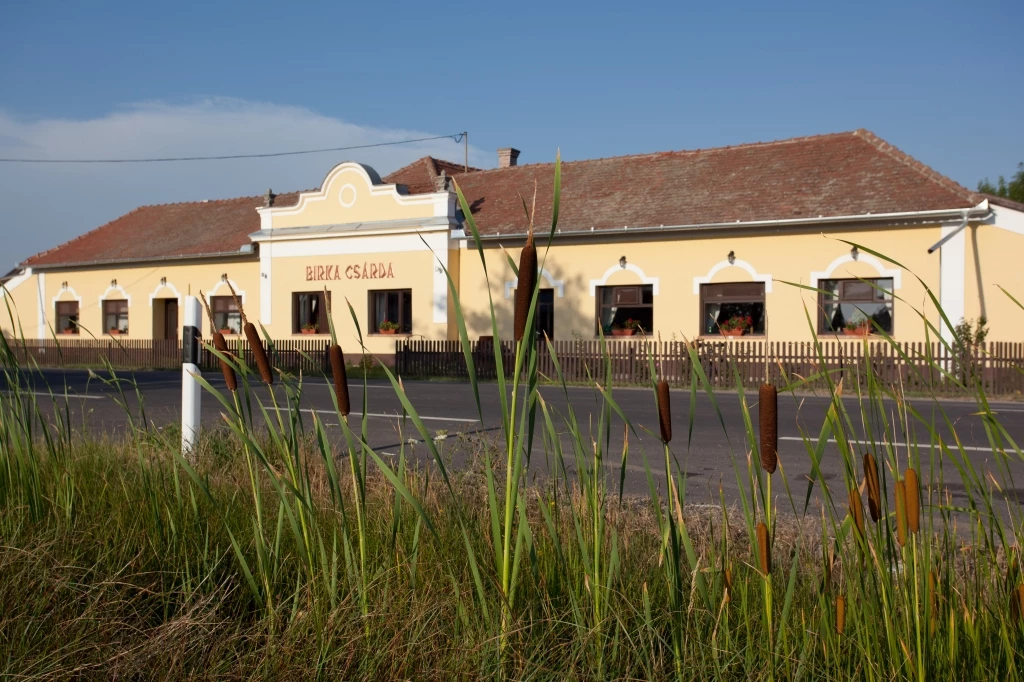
(407, 166)
(681, 152)
(919, 166)
(431, 163)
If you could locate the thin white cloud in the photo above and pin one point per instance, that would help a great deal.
(46, 204)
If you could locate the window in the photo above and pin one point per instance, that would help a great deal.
(851, 303)
(625, 307)
(731, 306)
(115, 317)
(545, 314)
(67, 317)
(226, 317)
(391, 311)
(309, 313)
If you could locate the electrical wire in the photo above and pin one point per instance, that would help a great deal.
(458, 137)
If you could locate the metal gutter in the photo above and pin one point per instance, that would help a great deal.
(979, 211)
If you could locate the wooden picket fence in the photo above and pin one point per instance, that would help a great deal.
(293, 355)
(918, 367)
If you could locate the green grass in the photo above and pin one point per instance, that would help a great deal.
(282, 550)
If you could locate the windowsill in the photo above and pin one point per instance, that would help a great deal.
(300, 334)
(724, 336)
(402, 334)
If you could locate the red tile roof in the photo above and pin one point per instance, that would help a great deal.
(165, 231)
(841, 174)
(419, 175)
(852, 173)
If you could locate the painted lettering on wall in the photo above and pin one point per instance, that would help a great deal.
(368, 270)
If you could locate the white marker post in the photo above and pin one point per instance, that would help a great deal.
(191, 397)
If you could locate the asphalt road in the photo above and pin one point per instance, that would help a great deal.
(449, 409)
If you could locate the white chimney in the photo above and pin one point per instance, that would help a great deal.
(509, 156)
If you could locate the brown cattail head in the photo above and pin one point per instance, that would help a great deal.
(527, 283)
(857, 510)
(874, 489)
(901, 512)
(840, 613)
(1017, 603)
(913, 501)
(229, 374)
(340, 379)
(764, 550)
(259, 353)
(768, 411)
(664, 411)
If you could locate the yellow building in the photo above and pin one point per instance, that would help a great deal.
(676, 244)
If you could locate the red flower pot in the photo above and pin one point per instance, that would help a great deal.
(309, 331)
(859, 331)
(388, 331)
(623, 332)
(733, 332)
(226, 330)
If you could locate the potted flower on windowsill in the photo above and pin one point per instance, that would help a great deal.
(114, 331)
(227, 330)
(388, 327)
(309, 328)
(737, 325)
(858, 326)
(627, 328)
(70, 329)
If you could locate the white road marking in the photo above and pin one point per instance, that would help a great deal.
(59, 395)
(395, 416)
(923, 446)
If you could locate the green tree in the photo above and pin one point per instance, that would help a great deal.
(1014, 189)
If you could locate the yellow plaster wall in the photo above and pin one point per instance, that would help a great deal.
(993, 257)
(348, 196)
(791, 257)
(138, 283)
(411, 269)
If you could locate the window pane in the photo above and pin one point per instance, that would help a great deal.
(748, 316)
(225, 314)
(406, 323)
(855, 290)
(853, 304)
(393, 307)
(546, 313)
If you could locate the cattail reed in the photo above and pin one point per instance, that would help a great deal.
(933, 601)
(901, 513)
(768, 411)
(728, 584)
(764, 550)
(259, 353)
(857, 510)
(1017, 603)
(840, 613)
(913, 501)
(874, 489)
(222, 345)
(229, 374)
(527, 283)
(340, 379)
(664, 411)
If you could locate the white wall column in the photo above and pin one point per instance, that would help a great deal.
(952, 270)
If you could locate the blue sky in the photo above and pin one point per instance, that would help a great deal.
(938, 80)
